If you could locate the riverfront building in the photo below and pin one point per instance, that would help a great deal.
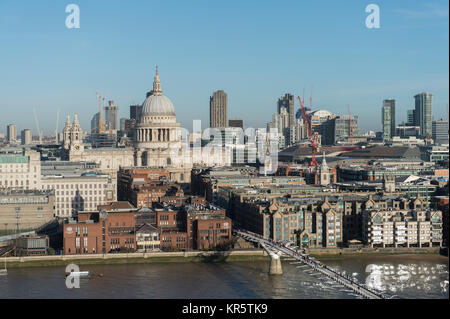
(110, 229)
(25, 209)
(402, 228)
(207, 226)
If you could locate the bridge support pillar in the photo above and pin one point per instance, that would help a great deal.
(275, 266)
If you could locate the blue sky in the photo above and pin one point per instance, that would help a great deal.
(254, 50)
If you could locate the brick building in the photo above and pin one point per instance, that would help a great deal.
(110, 229)
(144, 186)
(207, 226)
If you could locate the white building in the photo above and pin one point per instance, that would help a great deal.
(78, 192)
(407, 228)
(20, 168)
(158, 143)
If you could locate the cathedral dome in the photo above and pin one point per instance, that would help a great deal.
(156, 103)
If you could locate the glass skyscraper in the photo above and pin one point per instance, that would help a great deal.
(424, 113)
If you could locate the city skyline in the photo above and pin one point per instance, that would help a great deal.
(330, 53)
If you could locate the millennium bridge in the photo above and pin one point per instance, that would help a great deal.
(275, 250)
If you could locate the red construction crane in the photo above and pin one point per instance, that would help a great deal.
(313, 138)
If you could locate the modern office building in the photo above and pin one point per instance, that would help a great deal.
(287, 102)
(11, 134)
(338, 129)
(405, 131)
(94, 123)
(317, 118)
(440, 132)
(423, 114)
(218, 109)
(388, 118)
(111, 123)
(135, 112)
(123, 124)
(236, 123)
(280, 122)
(26, 137)
(410, 115)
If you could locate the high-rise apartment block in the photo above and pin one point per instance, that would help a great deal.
(218, 109)
(388, 119)
(11, 133)
(423, 114)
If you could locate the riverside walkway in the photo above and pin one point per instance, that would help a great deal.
(317, 266)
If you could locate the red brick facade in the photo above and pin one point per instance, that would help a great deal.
(100, 232)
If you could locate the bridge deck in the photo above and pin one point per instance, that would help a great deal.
(313, 263)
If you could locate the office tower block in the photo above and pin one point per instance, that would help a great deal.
(388, 119)
(123, 122)
(111, 116)
(11, 133)
(135, 111)
(410, 116)
(440, 132)
(218, 109)
(94, 123)
(26, 137)
(424, 113)
(338, 129)
(287, 102)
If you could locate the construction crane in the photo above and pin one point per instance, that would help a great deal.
(313, 138)
(37, 126)
(56, 130)
(100, 123)
(350, 123)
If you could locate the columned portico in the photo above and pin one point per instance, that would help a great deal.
(157, 135)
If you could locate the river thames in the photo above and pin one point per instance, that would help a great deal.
(417, 276)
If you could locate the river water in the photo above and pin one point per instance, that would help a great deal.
(401, 276)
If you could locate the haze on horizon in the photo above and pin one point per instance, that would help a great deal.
(255, 51)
